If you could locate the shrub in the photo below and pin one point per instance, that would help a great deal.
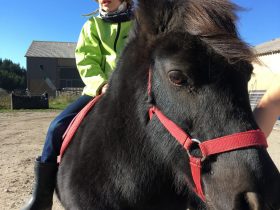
(5, 99)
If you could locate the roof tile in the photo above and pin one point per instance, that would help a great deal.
(51, 49)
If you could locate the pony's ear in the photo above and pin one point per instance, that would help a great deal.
(153, 15)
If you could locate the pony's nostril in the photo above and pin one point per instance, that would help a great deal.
(253, 201)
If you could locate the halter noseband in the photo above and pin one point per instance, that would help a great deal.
(223, 144)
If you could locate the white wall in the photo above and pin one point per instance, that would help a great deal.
(267, 73)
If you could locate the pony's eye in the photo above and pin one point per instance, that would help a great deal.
(177, 77)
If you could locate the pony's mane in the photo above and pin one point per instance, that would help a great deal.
(212, 21)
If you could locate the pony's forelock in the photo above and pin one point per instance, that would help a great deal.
(213, 21)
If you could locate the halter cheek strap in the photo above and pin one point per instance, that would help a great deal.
(252, 138)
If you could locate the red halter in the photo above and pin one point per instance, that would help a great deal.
(227, 143)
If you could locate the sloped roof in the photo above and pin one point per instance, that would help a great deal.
(51, 49)
(269, 47)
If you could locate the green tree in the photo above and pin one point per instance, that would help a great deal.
(12, 76)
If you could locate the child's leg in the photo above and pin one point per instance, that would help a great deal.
(57, 128)
(46, 165)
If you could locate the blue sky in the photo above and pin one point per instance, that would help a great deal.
(23, 21)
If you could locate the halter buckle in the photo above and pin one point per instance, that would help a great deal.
(196, 141)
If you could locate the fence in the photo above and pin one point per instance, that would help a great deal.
(69, 92)
(255, 96)
(23, 99)
(29, 102)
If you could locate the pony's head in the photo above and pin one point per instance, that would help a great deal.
(199, 74)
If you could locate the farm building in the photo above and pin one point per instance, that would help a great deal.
(267, 71)
(51, 66)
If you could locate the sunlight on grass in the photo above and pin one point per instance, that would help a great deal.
(61, 102)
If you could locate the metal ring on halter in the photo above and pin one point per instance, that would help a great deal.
(197, 142)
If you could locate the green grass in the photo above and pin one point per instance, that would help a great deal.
(5, 102)
(61, 102)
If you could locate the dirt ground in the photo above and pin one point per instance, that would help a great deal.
(21, 139)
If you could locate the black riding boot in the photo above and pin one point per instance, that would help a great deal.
(43, 189)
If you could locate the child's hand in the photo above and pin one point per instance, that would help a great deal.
(104, 88)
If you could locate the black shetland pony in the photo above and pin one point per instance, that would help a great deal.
(182, 76)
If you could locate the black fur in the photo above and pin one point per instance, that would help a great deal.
(119, 160)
